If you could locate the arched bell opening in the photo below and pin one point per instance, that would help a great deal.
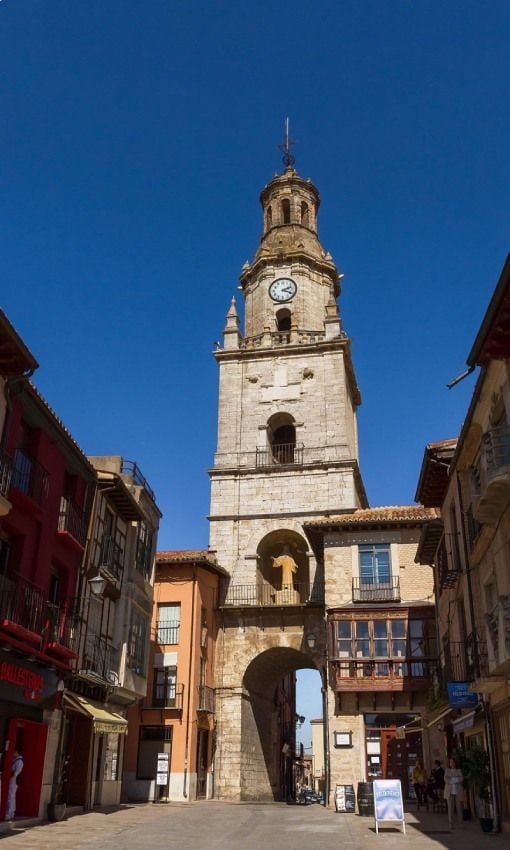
(283, 319)
(281, 437)
(285, 207)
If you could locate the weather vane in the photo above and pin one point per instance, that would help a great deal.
(288, 159)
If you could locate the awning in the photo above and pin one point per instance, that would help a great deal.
(104, 721)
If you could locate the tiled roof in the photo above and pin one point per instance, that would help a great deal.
(179, 555)
(389, 513)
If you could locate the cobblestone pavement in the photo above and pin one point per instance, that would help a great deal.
(250, 826)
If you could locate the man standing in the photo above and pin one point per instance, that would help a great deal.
(17, 767)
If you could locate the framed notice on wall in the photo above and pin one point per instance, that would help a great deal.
(388, 804)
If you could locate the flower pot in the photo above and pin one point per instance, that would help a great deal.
(487, 824)
(56, 811)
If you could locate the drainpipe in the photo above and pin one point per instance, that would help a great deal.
(190, 667)
(325, 714)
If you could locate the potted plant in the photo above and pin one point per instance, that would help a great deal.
(476, 770)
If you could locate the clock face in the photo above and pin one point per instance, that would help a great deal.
(282, 289)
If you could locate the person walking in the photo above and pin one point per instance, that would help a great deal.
(16, 768)
(453, 792)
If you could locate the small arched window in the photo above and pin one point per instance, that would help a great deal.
(285, 211)
(283, 319)
(305, 214)
(269, 218)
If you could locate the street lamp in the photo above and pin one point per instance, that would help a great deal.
(97, 585)
(311, 640)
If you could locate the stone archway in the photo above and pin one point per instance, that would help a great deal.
(268, 723)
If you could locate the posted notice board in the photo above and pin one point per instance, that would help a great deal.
(388, 804)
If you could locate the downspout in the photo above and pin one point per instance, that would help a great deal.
(325, 724)
(190, 667)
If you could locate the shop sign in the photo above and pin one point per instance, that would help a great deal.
(388, 805)
(30, 683)
(460, 695)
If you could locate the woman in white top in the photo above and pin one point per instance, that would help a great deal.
(453, 791)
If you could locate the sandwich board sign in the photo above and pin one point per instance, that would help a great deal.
(388, 805)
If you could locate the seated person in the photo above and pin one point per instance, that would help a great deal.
(420, 780)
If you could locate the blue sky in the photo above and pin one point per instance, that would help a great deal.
(135, 140)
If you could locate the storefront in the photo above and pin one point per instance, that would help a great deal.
(27, 694)
(93, 749)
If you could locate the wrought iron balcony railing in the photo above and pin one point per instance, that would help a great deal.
(71, 518)
(30, 477)
(5, 473)
(167, 631)
(167, 696)
(377, 591)
(262, 458)
(206, 701)
(100, 659)
(130, 468)
(63, 626)
(265, 595)
(21, 603)
(465, 660)
(280, 454)
(111, 556)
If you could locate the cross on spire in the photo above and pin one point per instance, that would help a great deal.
(288, 159)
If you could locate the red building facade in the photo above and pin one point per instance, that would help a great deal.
(48, 486)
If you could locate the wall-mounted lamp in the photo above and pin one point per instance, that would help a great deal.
(311, 640)
(343, 739)
(97, 585)
(60, 686)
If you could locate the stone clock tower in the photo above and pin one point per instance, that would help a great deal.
(287, 452)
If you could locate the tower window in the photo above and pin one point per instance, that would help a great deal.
(269, 218)
(283, 319)
(305, 214)
(282, 439)
(285, 211)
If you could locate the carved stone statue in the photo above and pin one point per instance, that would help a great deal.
(288, 567)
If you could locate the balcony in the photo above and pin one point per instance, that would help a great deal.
(167, 632)
(267, 596)
(206, 701)
(490, 476)
(71, 522)
(367, 674)
(171, 697)
(29, 477)
(100, 660)
(465, 660)
(62, 631)
(448, 568)
(111, 557)
(378, 591)
(22, 608)
(275, 339)
(280, 454)
(5, 482)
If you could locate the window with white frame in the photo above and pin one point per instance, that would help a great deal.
(374, 564)
(168, 622)
(164, 689)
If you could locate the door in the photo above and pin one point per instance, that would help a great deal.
(29, 738)
(202, 752)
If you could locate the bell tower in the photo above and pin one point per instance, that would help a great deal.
(287, 452)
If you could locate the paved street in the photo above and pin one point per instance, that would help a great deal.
(223, 826)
